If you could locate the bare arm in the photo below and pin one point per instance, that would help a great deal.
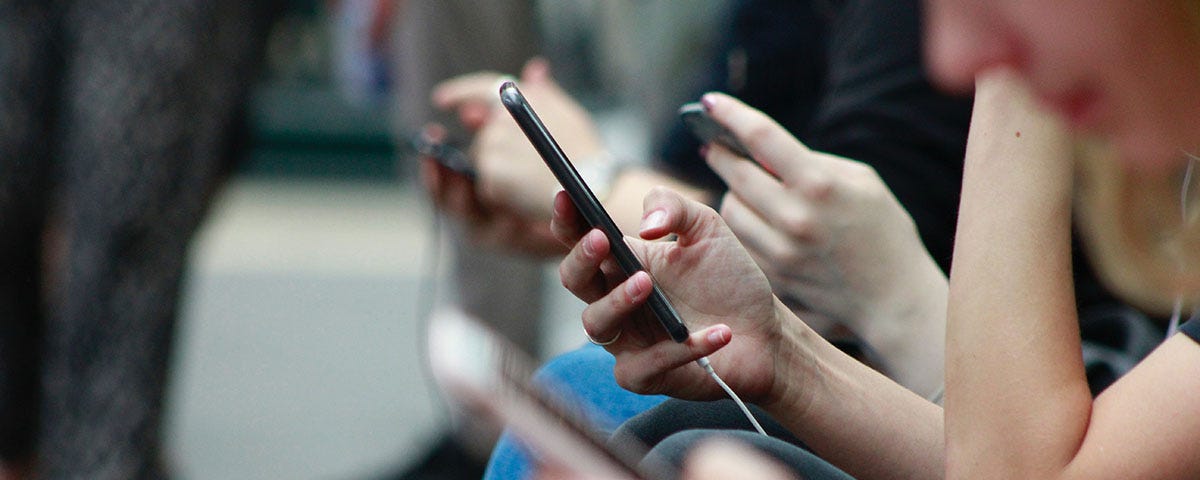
(1017, 401)
(829, 233)
(848, 413)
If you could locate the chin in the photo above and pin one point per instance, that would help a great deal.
(1152, 153)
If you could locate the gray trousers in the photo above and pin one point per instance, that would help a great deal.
(116, 120)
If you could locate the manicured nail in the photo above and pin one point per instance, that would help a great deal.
(656, 219)
(718, 336)
(708, 100)
(589, 245)
(633, 286)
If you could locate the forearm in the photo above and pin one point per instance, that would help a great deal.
(851, 415)
(907, 329)
(1017, 402)
(629, 188)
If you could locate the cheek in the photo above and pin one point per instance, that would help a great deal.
(1158, 118)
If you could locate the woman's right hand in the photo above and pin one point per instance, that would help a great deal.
(712, 282)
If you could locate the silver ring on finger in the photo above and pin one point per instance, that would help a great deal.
(604, 343)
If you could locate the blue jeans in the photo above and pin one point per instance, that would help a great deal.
(584, 374)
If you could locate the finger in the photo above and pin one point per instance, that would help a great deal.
(721, 459)
(430, 178)
(536, 70)
(450, 191)
(459, 197)
(646, 370)
(765, 243)
(566, 222)
(478, 87)
(667, 212)
(764, 193)
(580, 270)
(768, 142)
(474, 115)
(604, 318)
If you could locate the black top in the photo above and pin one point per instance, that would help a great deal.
(1191, 329)
(846, 78)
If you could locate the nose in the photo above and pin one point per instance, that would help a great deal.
(961, 40)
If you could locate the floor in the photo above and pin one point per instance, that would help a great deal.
(297, 351)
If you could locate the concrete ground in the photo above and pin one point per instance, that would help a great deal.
(297, 351)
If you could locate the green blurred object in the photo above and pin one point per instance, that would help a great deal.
(312, 131)
(300, 124)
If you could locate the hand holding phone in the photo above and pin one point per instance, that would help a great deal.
(587, 203)
(708, 130)
(433, 142)
(704, 127)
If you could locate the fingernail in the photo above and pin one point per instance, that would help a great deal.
(632, 287)
(704, 150)
(708, 100)
(717, 336)
(589, 245)
(656, 219)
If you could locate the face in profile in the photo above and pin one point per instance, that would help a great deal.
(1128, 71)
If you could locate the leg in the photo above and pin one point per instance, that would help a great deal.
(585, 375)
(804, 464)
(152, 90)
(674, 415)
(27, 63)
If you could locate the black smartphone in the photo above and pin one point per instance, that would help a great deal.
(586, 202)
(708, 130)
(436, 145)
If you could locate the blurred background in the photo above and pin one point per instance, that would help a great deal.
(297, 351)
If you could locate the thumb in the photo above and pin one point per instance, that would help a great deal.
(667, 212)
(536, 71)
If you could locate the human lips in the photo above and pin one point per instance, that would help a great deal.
(1080, 107)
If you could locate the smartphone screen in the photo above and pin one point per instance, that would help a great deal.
(586, 202)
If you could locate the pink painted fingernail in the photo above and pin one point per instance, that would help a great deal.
(708, 100)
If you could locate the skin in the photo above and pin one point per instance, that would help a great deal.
(1128, 71)
(513, 183)
(1017, 403)
(828, 233)
(842, 409)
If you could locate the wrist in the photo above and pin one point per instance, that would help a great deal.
(907, 327)
(797, 365)
(600, 170)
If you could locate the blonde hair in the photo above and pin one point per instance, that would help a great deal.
(1141, 230)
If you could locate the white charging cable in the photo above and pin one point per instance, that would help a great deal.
(1184, 192)
(704, 363)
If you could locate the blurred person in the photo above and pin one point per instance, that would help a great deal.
(872, 104)
(439, 40)
(843, 92)
(1018, 404)
(434, 40)
(117, 123)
